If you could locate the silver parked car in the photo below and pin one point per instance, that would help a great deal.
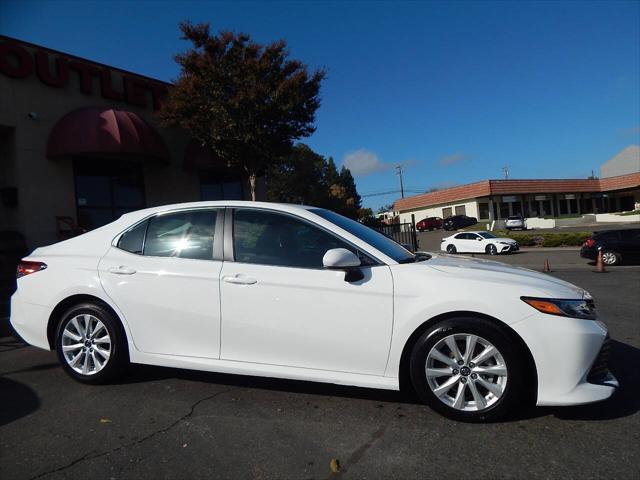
(515, 222)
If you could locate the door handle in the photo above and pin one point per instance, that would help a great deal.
(122, 270)
(239, 280)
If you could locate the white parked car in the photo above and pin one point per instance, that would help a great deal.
(303, 293)
(515, 222)
(478, 242)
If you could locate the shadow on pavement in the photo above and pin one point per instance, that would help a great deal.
(624, 364)
(17, 401)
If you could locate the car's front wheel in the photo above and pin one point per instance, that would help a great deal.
(468, 369)
(91, 345)
(609, 257)
(491, 250)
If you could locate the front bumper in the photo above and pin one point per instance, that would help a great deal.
(570, 357)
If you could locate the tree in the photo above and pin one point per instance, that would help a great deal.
(299, 178)
(245, 101)
(307, 177)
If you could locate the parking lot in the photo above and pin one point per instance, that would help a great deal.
(166, 423)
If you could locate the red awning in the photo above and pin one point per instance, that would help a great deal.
(100, 131)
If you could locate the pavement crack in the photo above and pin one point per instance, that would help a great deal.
(92, 455)
(359, 452)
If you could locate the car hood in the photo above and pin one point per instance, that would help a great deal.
(502, 273)
(503, 239)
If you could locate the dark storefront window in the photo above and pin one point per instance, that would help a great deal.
(105, 189)
(563, 206)
(483, 209)
(504, 210)
(447, 212)
(461, 210)
(517, 208)
(221, 187)
(573, 204)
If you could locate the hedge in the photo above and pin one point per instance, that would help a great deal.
(544, 239)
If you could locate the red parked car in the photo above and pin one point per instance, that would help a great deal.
(429, 223)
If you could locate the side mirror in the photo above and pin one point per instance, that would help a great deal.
(339, 258)
(479, 239)
(343, 259)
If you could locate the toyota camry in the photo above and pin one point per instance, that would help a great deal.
(303, 293)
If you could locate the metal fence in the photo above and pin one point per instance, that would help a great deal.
(403, 233)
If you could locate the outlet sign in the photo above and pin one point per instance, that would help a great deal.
(55, 69)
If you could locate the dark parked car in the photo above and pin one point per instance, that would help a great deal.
(429, 223)
(617, 246)
(12, 249)
(458, 221)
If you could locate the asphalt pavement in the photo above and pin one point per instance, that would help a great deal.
(166, 423)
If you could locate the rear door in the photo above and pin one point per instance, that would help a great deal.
(630, 245)
(164, 276)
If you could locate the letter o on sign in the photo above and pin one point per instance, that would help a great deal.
(22, 64)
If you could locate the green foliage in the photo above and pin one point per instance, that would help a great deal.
(634, 212)
(245, 101)
(546, 239)
(305, 177)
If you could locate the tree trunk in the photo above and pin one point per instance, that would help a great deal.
(252, 184)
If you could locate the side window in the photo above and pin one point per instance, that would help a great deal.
(269, 238)
(133, 240)
(184, 235)
(472, 236)
(462, 236)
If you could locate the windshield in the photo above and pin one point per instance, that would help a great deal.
(487, 235)
(374, 238)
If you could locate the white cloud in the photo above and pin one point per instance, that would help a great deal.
(364, 162)
(448, 160)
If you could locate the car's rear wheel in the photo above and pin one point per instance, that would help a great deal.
(468, 369)
(491, 250)
(609, 257)
(451, 249)
(91, 345)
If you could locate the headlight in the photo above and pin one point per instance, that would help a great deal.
(504, 243)
(584, 308)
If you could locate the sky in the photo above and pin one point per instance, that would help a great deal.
(452, 91)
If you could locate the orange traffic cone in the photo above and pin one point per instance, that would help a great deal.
(546, 267)
(600, 263)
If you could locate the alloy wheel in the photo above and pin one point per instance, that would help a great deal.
(86, 344)
(609, 258)
(466, 372)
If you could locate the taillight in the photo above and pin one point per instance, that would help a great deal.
(589, 242)
(27, 268)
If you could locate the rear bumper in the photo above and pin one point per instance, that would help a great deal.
(30, 321)
(567, 353)
(590, 253)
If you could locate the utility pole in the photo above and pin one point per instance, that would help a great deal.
(505, 169)
(399, 169)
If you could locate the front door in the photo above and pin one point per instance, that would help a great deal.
(281, 307)
(163, 278)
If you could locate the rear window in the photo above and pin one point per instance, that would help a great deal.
(133, 240)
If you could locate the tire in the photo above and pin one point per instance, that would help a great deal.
(104, 355)
(451, 249)
(611, 258)
(491, 250)
(460, 401)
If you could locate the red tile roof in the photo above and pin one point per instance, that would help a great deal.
(486, 188)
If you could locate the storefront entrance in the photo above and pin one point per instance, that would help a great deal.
(105, 189)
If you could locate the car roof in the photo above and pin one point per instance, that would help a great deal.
(285, 207)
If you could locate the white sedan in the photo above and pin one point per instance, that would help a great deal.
(478, 242)
(300, 292)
